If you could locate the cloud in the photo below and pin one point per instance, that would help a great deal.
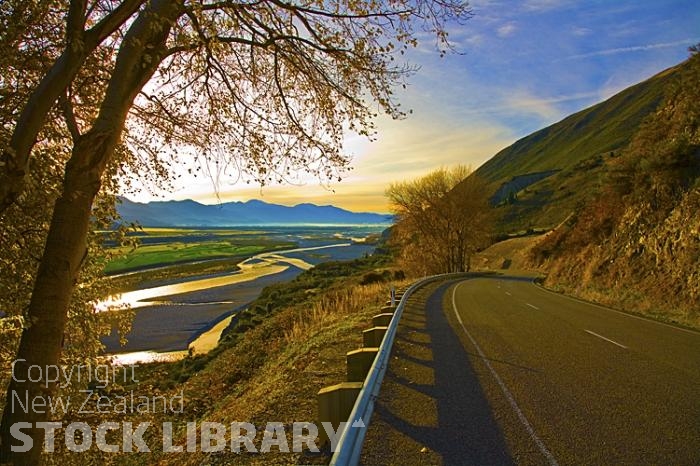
(474, 40)
(523, 101)
(545, 5)
(404, 150)
(507, 29)
(479, 4)
(579, 31)
(461, 35)
(635, 48)
(543, 108)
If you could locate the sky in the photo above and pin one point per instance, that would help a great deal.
(520, 66)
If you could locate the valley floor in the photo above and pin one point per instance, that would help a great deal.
(170, 317)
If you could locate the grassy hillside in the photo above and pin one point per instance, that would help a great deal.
(619, 186)
(542, 178)
(508, 256)
(635, 243)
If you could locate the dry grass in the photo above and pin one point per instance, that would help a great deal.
(589, 274)
(271, 374)
(510, 254)
(292, 355)
(330, 308)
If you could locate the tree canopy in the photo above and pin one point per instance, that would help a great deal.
(444, 217)
(265, 87)
(94, 89)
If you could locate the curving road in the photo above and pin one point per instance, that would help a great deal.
(496, 370)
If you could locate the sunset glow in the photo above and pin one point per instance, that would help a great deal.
(519, 68)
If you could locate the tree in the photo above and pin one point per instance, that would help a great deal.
(266, 86)
(31, 37)
(443, 219)
(31, 25)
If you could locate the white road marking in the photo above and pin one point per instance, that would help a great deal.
(534, 307)
(632, 316)
(543, 449)
(606, 339)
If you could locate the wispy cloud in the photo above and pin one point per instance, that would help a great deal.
(522, 101)
(507, 29)
(579, 31)
(634, 48)
(464, 36)
(543, 108)
(545, 5)
(474, 40)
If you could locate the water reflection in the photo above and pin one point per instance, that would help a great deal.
(189, 315)
(144, 357)
(260, 265)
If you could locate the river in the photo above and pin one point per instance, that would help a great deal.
(170, 318)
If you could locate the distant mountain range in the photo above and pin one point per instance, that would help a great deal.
(189, 213)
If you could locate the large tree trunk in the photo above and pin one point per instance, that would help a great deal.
(139, 56)
(42, 339)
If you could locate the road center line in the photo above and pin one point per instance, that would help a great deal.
(624, 314)
(543, 449)
(606, 339)
(534, 307)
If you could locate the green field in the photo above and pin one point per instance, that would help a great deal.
(172, 253)
(166, 246)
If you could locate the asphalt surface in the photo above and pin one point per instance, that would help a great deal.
(496, 370)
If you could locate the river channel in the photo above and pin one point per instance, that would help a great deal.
(172, 318)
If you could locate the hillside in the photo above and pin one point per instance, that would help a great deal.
(189, 213)
(540, 179)
(629, 235)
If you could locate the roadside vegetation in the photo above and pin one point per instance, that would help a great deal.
(303, 291)
(443, 219)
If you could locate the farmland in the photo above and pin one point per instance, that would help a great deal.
(160, 247)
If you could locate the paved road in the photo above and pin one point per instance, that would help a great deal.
(499, 371)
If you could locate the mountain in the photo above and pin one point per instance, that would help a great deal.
(189, 213)
(540, 179)
(618, 185)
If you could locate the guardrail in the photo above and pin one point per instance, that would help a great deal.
(349, 447)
